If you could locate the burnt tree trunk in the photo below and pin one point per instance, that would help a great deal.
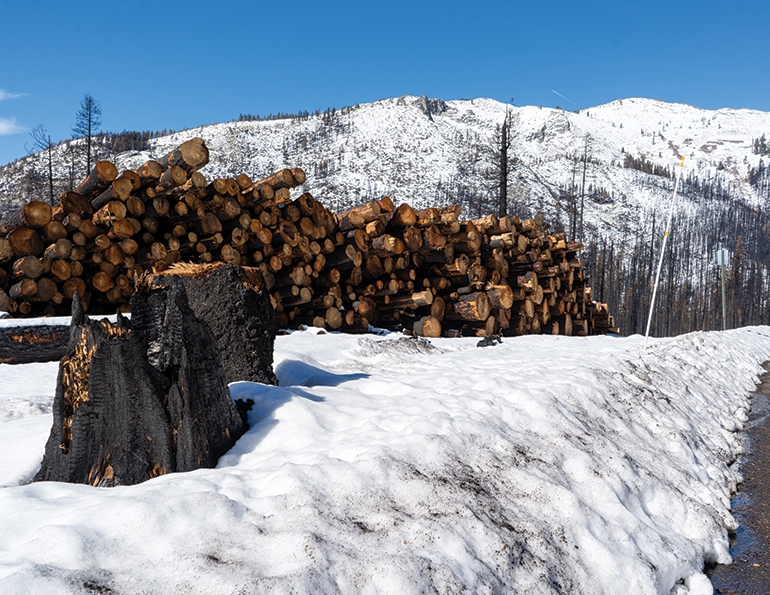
(141, 399)
(235, 303)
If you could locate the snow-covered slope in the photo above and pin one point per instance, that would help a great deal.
(427, 152)
(385, 465)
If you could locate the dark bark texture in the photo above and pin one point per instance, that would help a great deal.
(28, 344)
(139, 399)
(235, 303)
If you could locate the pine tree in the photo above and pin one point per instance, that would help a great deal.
(87, 123)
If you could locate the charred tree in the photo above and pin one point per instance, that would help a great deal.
(28, 344)
(235, 303)
(139, 399)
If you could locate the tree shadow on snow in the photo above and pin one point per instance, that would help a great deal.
(292, 375)
(299, 373)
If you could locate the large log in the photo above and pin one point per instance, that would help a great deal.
(28, 344)
(470, 307)
(191, 155)
(103, 174)
(25, 241)
(149, 173)
(141, 399)
(72, 202)
(119, 189)
(6, 251)
(35, 214)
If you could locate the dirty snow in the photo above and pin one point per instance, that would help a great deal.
(384, 465)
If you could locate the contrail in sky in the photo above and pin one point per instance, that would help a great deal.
(567, 98)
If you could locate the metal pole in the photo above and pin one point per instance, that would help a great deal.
(662, 252)
(724, 306)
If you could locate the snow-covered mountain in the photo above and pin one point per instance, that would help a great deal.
(616, 163)
(429, 151)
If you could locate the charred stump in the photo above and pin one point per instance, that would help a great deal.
(235, 303)
(140, 398)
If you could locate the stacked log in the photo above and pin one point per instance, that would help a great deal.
(429, 273)
(425, 272)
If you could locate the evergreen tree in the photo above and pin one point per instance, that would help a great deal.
(87, 123)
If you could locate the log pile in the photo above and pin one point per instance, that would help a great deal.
(426, 272)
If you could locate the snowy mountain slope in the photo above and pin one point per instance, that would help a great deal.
(431, 152)
(382, 465)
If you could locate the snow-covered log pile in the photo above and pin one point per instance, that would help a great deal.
(376, 264)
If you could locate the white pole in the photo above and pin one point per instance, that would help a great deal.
(662, 252)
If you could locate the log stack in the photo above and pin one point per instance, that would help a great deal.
(425, 272)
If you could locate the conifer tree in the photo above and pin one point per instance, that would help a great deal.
(87, 123)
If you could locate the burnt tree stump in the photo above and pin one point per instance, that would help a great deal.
(235, 303)
(135, 400)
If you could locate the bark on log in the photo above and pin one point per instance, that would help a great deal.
(103, 174)
(6, 251)
(191, 155)
(235, 303)
(35, 214)
(25, 241)
(403, 216)
(120, 189)
(28, 344)
(427, 326)
(149, 172)
(470, 307)
(72, 202)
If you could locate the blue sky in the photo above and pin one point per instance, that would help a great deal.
(156, 65)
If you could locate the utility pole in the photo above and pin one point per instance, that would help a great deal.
(723, 256)
(583, 187)
(662, 252)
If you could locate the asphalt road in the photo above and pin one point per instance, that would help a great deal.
(749, 574)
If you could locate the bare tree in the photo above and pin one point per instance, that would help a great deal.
(87, 123)
(586, 147)
(42, 143)
(501, 163)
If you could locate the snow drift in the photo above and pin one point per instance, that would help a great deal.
(386, 465)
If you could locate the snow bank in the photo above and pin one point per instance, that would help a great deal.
(382, 465)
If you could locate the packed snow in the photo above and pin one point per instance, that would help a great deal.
(385, 464)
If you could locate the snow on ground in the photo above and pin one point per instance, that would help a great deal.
(386, 465)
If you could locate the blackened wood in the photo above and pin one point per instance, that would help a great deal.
(28, 344)
(235, 303)
(138, 400)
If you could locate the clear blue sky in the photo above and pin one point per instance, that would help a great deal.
(156, 65)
